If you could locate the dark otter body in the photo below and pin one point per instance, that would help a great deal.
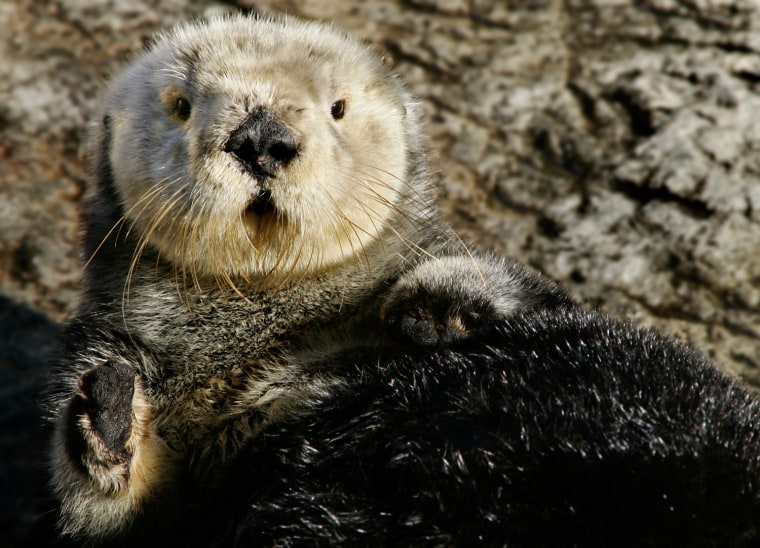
(559, 428)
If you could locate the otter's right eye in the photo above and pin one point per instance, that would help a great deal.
(338, 109)
(182, 108)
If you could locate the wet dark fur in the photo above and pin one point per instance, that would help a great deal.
(559, 428)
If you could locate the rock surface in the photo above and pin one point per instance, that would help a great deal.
(612, 144)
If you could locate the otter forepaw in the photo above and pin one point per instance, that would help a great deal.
(456, 298)
(432, 319)
(108, 459)
(107, 394)
(439, 303)
(100, 423)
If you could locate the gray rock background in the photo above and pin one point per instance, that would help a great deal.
(612, 144)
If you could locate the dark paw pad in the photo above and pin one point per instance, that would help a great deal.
(105, 397)
(416, 325)
(429, 321)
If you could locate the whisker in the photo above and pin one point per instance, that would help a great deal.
(120, 223)
(192, 241)
(293, 264)
(352, 227)
(184, 243)
(412, 246)
(143, 202)
(470, 255)
(415, 197)
(226, 278)
(154, 224)
(418, 220)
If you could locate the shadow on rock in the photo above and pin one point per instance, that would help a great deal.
(27, 339)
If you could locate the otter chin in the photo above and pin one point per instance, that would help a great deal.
(261, 211)
(261, 205)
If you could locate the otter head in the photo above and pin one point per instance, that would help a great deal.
(258, 148)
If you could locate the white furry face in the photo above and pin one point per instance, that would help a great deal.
(173, 112)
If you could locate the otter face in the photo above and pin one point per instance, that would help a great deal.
(258, 149)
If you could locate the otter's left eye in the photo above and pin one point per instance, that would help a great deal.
(338, 109)
(182, 107)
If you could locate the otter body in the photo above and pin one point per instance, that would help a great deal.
(559, 428)
(279, 340)
(262, 201)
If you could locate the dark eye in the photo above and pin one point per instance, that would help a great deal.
(338, 109)
(182, 107)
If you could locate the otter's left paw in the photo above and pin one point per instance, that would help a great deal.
(433, 318)
(441, 302)
(106, 397)
(451, 299)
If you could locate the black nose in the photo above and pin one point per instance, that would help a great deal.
(262, 144)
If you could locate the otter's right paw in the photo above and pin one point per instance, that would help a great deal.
(108, 460)
(100, 424)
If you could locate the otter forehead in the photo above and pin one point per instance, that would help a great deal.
(265, 57)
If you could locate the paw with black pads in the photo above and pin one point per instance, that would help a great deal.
(108, 459)
(452, 299)
(101, 422)
(108, 392)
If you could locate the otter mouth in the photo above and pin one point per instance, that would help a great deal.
(261, 204)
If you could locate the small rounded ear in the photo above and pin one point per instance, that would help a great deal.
(102, 164)
(103, 208)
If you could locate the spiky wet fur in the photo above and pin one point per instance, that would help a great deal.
(209, 334)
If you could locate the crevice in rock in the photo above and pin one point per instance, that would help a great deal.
(645, 194)
(641, 119)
